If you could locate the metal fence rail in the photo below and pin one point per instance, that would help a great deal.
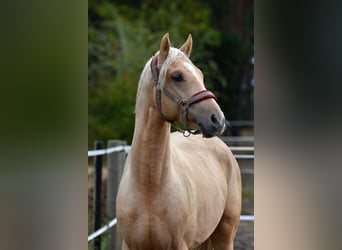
(124, 149)
(114, 221)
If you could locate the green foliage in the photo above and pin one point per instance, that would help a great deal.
(123, 35)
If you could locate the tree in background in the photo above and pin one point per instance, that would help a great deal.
(235, 57)
(123, 35)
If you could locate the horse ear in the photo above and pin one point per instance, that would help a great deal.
(187, 46)
(164, 47)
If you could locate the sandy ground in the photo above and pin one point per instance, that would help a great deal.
(244, 239)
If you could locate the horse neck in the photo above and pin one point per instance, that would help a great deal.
(150, 153)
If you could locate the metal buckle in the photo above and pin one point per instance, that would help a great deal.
(184, 103)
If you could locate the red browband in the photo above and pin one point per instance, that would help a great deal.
(200, 96)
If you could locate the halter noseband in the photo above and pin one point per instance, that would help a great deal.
(183, 103)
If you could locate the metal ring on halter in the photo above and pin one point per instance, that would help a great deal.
(184, 103)
(186, 133)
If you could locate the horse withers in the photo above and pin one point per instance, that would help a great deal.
(178, 190)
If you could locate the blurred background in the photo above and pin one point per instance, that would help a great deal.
(46, 63)
(123, 35)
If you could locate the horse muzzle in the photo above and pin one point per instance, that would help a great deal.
(212, 126)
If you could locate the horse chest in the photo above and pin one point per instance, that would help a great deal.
(162, 205)
(149, 219)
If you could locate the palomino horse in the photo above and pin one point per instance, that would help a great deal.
(178, 192)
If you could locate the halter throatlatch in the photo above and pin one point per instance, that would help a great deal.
(183, 103)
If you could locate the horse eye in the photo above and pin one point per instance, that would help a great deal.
(177, 77)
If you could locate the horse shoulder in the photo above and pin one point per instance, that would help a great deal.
(199, 170)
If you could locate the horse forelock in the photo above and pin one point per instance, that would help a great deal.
(146, 78)
(173, 55)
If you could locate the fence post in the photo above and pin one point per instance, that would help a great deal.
(97, 193)
(115, 163)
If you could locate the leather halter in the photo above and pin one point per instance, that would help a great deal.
(183, 103)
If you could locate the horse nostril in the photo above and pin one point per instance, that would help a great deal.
(214, 119)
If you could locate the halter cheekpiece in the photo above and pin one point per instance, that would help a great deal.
(183, 103)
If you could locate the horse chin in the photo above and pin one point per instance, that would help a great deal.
(209, 131)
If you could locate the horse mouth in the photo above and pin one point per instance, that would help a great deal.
(211, 131)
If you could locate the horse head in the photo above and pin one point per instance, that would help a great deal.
(180, 92)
